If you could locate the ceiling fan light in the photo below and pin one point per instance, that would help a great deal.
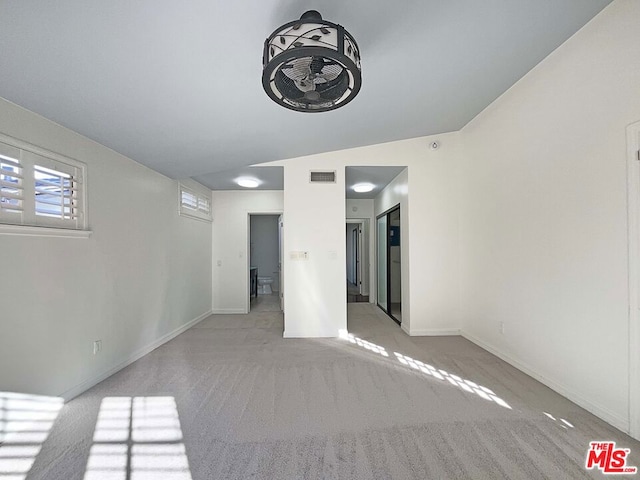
(248, 182)
(311, 65)
(363, 187)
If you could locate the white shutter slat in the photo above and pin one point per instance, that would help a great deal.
(54, 193)
(66, 216)
(57, 203)
(16, 196)
(10, 173)
(11, 207)
(41, 183)
(10, 185)
(10, 162)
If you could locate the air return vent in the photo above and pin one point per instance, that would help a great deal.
(324, 176)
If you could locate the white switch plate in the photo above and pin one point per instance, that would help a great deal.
(299, 255)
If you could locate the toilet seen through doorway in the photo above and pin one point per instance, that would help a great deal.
(264, 285)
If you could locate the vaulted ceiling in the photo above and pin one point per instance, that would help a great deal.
(177, 85)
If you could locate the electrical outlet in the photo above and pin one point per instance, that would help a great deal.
(502, 328)
(97, 346)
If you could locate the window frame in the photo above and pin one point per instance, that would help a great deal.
(27, 221)
(201, 196)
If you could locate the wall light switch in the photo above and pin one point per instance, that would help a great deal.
(295, 255)
(219, 263)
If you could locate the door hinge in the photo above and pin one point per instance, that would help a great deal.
(638, 155)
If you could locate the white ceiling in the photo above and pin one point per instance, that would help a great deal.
(176, 85)
(268, 178)
(379, 177)
(272, 178)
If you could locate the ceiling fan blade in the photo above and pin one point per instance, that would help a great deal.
(298, 68)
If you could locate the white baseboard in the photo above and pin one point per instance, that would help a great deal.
(605, 414)
(229, 311)
(87, 384)
(434, 332)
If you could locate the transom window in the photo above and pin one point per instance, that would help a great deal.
(195, 202)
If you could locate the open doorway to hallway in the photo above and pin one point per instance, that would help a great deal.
(372, 191)
(265, 262)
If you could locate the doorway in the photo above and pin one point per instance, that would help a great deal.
(265, 262)
(389, 271)
(357, 254)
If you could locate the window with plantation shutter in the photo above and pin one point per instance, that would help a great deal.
(40, 188)
(11, 191)
(204, 205)
(195, 203)
(189, 200)
(54, 193)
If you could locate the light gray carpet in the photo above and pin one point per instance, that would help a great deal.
(254, 405)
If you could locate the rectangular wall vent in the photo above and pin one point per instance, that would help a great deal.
(324, 176)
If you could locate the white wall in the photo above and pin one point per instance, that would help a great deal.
(543, 216)
(144, 272)
(359, 208)
(315, 289)
(315, 218)
(265, 249)
(231, 211)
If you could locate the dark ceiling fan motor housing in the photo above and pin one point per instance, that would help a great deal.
(311, 65)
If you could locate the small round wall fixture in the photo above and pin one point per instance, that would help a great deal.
(248, 182)
(311, 65)
(363, 187)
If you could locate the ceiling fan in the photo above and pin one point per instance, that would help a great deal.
(311, 65)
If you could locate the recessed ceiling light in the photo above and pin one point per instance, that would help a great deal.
(363, 187)
(248, 182)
